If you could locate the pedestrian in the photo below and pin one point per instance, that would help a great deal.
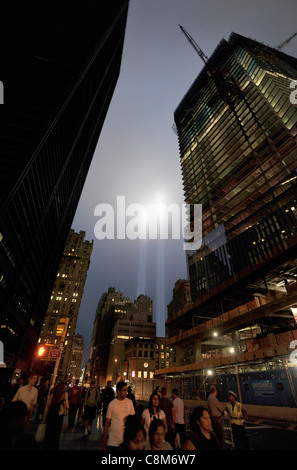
(157, 433)
(100, 400)
(158, 390)
(117, 411)
(202, 436)
(179, 416)
(74, 394)
(91, 402)
(107, 396)
(42, 397)
(81, 401)
(152, 412)
(14, 388)
(28, 394)
(216, 409)
(13, 424)
(134, 434)
(167, 406)
(238, 415)
(57, 405)
(131, 396)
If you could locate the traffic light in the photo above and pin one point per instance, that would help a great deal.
(48, 352)
(41, 352)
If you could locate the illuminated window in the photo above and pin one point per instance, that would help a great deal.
(145, 374)
(139, 374)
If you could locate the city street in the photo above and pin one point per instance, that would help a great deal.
(264, 435)
(74, 439)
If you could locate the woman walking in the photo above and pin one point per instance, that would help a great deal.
(157, 437)
(58, 405)
(202, 436)
(153, 412)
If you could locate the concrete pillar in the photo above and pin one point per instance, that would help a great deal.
(179, 356)
(235, 343)
(197, 351)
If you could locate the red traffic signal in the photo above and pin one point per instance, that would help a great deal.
(41, 352)
(47, 352)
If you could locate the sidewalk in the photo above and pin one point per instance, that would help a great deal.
(74, 438)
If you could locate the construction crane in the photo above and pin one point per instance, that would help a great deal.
(229, 92)
(195, 45)
(224, 87)
(286, 42)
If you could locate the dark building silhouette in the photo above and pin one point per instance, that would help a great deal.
(60, 63)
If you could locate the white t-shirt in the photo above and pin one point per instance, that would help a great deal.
(27, 396)
(117, 411)
(178, 406)
(148, 418)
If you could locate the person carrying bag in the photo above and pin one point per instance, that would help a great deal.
(58, 406)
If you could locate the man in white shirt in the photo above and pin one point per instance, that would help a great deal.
(118, 409)
(179, 419)
(28, 394)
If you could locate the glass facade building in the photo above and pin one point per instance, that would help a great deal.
(237, 138)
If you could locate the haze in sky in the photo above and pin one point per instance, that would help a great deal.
(137, 155)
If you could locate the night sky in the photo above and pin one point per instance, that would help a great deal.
(137, 155)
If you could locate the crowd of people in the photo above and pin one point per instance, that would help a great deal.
(161, 426)
(126, 424)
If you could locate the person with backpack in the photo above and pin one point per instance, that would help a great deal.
(91, 402)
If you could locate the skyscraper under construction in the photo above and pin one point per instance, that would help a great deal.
(59, 67)
(237, 131)
(237, 135)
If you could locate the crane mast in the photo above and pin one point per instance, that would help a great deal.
(195, 45)
(229, 92)
(286, 42)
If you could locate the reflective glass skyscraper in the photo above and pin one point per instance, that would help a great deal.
(237, 131)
